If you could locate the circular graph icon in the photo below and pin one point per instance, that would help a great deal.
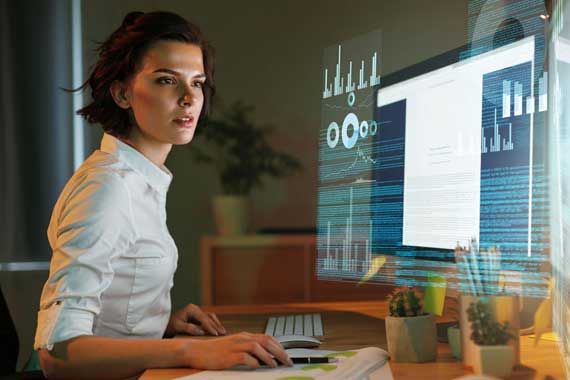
(373, 127)
(333, 130)
(351, 99)
(363, 129)
(350, 121)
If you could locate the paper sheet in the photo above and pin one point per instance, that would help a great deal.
(365, 364)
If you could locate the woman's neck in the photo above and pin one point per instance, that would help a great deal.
(154, 150)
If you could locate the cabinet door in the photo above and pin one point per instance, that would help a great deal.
(258, 275)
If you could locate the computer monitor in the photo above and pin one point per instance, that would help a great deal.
(449, 153)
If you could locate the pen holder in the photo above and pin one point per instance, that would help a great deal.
(503, 308)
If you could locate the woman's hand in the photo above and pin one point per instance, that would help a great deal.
(192, 320)
(251, 350)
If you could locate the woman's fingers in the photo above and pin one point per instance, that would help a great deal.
(243, 358)
(208, 325)
(209, 321)
(259, 352)
(204, 319)
(192, 329)
(221, 329)
(274, 348)
(265, 348)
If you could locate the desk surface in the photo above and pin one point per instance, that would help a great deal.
(350, 325)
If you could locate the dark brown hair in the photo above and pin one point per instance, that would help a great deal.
(120, 55)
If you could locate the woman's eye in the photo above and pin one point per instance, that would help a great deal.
(166, 80)
(199, 84)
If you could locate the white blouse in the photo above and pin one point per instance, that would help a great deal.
(113, 258)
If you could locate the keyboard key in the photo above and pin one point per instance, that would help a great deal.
(280, 326)
(317, 325)
(308, 325)
(270, 328)
(289, 324)
(299, 325)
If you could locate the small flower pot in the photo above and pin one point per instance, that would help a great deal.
(412, 339)
(454, 339)
(495, 361)
(231, 214)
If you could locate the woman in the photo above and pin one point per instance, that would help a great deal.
(113, 258)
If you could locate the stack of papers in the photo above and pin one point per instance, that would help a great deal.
(365, 364)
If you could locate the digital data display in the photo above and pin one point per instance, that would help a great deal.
(445, 158)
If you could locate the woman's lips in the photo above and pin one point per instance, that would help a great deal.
(185, 122)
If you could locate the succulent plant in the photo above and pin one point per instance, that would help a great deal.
(485, 331)
(405, 302)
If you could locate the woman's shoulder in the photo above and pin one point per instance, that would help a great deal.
(106, 170)
(101, 177)
(104, 165)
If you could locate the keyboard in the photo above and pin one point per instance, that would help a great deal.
(299, 324)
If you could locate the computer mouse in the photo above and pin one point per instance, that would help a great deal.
(298, 341)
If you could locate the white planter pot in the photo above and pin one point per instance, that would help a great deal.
(495, 361)
(503, 308)
(231, 214)
(412, 339)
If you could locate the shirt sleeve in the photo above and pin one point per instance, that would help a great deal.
(91, 226)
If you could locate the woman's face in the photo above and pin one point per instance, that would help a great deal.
(166, 94)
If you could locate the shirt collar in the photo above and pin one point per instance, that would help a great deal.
(157, 177)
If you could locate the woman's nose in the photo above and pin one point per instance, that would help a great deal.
(186, 99)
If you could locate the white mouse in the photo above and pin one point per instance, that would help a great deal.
(298, 341)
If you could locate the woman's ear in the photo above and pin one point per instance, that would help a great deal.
(119, 93)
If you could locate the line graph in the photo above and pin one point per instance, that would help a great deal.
(367, 159)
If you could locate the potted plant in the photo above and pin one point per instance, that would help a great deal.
(238, 149)
(492, 355)
(410, 333)
(453, 331)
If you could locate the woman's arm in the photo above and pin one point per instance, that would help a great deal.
(92, 357)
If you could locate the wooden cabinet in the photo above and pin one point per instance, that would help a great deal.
(263, 269)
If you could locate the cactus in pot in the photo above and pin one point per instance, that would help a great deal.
(410, 333)
(493, 356)
(405, 302)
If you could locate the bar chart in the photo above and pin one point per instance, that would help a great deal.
(543, 92)
(349, 255)
(513, 95)
(338, 86)
(495, 143)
